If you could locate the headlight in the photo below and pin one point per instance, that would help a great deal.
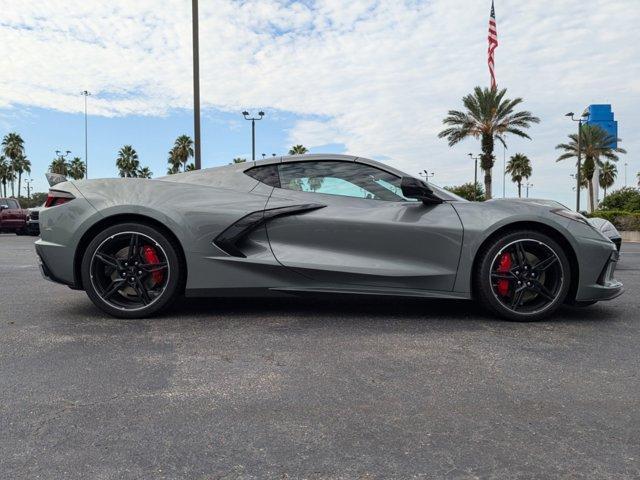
(571, 215)
(609, 227)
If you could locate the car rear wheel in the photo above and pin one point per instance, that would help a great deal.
(522, 276)
(131, 271)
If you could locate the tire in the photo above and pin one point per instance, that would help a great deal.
(122, 279)
(522, 276)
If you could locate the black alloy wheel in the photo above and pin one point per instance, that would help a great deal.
(523, 276)
(131, 271)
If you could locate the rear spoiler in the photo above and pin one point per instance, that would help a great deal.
(55, 178)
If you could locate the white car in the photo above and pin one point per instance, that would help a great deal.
(33, 220)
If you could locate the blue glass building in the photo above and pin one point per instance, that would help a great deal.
(602, 115)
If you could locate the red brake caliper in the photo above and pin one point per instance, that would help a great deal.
(150, 256)
(503, 267)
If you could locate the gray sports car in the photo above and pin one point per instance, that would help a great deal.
(316, 224)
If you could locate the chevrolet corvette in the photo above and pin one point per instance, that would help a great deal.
(311, 225)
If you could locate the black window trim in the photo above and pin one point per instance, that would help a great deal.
(276, 165)
(375, 167)
(259, 167)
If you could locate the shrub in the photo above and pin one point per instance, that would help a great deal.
(36, 200)
(627, 199)
(623, 220)
(466, 190)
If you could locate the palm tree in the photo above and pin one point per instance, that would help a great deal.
(173, 161)
(5, 171)
(13, 148)
(189, 168)
(182, 150)
(298, 150)
(607, 177)
(239, 160)
(488, 116)
(11, 177)
(519, 167)
(59, 165)
(595, 144)
(21, 165)
(315, 183)
(295, 184)
(144, 172)
(77, 169)
(127, 162)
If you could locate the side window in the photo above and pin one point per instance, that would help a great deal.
(348, 179)
(267, 174)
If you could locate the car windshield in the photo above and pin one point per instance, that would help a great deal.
(9, 202)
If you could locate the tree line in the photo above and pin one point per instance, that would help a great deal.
(14, 162)
(488, 116)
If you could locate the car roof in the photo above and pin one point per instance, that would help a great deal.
(311, 157)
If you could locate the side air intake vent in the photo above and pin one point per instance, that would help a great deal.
(229, 239)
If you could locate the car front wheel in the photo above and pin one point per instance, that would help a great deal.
(131, 270)
(523, 276)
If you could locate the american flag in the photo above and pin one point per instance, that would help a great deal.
(493, 44)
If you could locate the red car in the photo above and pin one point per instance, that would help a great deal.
(12, 217)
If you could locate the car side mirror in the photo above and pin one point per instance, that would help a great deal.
(416, 188)
(4, 207)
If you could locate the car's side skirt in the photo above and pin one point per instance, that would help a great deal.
(288, 291)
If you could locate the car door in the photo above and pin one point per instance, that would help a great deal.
(360, 230)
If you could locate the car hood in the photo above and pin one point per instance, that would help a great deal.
(530, 201)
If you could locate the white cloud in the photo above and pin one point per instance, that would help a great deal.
(381, 74)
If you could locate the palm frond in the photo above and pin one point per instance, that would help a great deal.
(565, 156)
(518, 132)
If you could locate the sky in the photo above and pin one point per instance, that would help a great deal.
(369, 78)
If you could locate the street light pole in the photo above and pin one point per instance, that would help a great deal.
(28, 185)
(85, 94)
(504, 169)
(578, 172)
(528, 185)
(246, 116)
(196, 84)
(427, 175)
(475, 174)
(61, 156)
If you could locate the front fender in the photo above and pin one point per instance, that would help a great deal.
(481, 223)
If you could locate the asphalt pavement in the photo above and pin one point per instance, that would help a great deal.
(333, 388)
